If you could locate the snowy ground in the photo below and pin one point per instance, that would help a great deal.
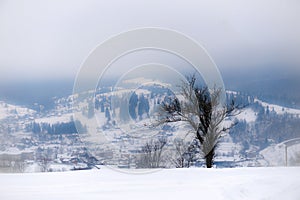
(237, 183)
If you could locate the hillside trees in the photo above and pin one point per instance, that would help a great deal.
(56, 128)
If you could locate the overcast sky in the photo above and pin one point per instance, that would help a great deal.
(46, 39)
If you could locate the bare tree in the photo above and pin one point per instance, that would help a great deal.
(202, 109)
(151, 154)
(44, 163)
(185, 153)
(19, 167)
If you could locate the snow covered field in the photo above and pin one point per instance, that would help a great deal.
(235, 183)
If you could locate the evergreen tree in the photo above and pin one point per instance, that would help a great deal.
(107, 114)
(124, 115)
(132, 105)
(90, 113)
(143, 106)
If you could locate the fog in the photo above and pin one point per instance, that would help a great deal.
(51, 39)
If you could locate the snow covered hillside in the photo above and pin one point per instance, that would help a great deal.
(13, 111)
(112, 128)
(237, 183)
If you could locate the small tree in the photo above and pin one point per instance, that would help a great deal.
(185, 153)
(151, 154)
(202, 109)
(44, 164)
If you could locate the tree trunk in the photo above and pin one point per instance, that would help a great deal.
(209, 158)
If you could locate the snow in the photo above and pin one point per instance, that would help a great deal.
(55, 119)
(248, 115)
(34, 167)
(280, 110)
(274, 155)
(15, 151)
(144, 81)
(231, 92)
(201, 183)
(8, 110)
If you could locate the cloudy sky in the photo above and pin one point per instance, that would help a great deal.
(47, 39)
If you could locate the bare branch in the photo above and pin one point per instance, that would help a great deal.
(200, 109)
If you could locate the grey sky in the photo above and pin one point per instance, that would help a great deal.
(46, 39)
